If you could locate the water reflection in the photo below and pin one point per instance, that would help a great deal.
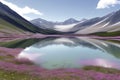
(55, 53)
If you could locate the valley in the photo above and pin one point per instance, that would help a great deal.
(39, 49)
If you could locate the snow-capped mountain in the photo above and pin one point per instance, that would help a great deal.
(65, 26)
(49, 24)
(40, 21)
(108, 23)
(69, 27)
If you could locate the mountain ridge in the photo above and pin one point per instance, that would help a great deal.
(109, 23)
(11, 22)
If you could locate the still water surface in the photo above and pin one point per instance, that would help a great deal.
(56, 53)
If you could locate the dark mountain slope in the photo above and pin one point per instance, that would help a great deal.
(15, 20)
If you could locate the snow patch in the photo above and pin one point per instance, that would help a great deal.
(105, 25)
(64, 28)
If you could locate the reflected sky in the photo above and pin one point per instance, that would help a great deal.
(73, 53)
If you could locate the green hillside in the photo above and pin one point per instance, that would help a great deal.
(6, 27)
(13, 19)
(117, 33)
(11, 22)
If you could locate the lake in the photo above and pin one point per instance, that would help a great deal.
(70, 52)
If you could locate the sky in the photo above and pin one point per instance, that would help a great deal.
(60, 10)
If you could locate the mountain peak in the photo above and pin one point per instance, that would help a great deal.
(70, 21)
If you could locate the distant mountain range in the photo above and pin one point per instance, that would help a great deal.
(65, 26)
(49, 24)
(12, 23)
(108, 25)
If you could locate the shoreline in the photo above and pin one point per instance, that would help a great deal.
(28, 36)
(8, 58)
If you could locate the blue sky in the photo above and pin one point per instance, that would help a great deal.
(60, 10)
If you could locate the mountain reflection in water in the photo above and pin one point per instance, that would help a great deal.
(77, 52)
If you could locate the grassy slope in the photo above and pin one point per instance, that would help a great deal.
(16, 20)
(21, 24)
(5, 75)
(117, 33)
(6, 27)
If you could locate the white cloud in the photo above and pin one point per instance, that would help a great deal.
(22, 11)
(107, 3)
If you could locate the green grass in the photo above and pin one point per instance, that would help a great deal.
(8, 75)
(117, 33)
(3, 58)
(101, 69)
(5, 75)
(6, 58)
(9, 28)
